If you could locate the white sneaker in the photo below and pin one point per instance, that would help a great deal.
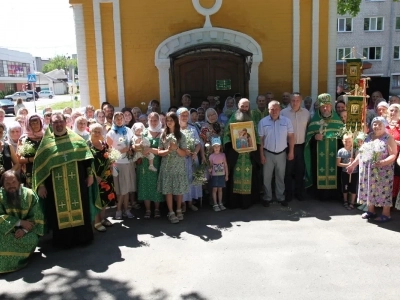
(222, 207)
(152, 168)
(216, 207)
(128, 214)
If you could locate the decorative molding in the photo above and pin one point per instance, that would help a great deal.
(207, 12)
(118, 50)
(205, 36)
(315, 50)
(84, 88)
(296, 46)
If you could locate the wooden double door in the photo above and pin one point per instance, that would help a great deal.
(201, 75)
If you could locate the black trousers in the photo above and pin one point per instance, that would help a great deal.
(294, 174)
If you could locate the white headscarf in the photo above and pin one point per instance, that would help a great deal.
(158, 128)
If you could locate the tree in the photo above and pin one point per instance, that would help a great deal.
(351, 7)
(60, 62)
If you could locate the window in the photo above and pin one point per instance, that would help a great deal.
(397, 23)
(396, 81)
(373, 53)
(345, 24)
(342, 53)
(373, 24)
(396, 52)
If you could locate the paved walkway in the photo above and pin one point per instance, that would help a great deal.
(309, 250)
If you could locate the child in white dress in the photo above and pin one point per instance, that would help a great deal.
(141, 142)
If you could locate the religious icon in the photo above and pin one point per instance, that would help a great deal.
(355, 109)
(243, 136)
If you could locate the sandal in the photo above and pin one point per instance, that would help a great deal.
(157, 213)
(368, 215)
(172, 218)
(147, 214)
(350, 207)
(106, 223)
(136, 206)
(382, 219)
(346, 204)
(216, 207)
(99, 227)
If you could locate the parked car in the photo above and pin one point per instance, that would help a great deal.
(46, 94)
(7, 105)
(36, 94)
(20, 95)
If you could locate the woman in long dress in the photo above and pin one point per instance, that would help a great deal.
(172, 180)
(376, 157)
(147, 179)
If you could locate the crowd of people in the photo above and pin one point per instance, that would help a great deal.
(62, 170)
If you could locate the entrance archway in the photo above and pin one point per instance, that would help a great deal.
(205, 36)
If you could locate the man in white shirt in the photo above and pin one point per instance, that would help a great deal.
(276, 133)
(294, 175)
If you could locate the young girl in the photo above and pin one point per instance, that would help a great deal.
(219, 173)
(349, 181)
(138, 142)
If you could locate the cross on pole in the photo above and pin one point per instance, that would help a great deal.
(72, 175)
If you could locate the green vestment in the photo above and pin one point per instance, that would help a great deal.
(58, 157)
(257, 115)
(242, 172)
(326, 170)
(14, 253)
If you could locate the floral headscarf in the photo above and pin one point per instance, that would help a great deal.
(28, 129)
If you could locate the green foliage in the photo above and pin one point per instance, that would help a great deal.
(2, 94)
(351, 7)
(60, 62)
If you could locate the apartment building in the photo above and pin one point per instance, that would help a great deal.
(375, 35)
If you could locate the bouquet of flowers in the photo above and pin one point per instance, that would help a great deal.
(199, 176)
(26, 149)
(371, 152)
(127, 143)
(190, 140)
(112, 156)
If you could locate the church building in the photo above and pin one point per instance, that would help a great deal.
(133, 51)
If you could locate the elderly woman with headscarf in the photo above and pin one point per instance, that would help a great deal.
(376, 157)
(227, 111)
(393, 128)
(380, 110)
(14, 132)
(29, 143)
(193, 148)
(119, 137)
(147, 179)
(211, 128)
(80, 127)
(100, 118)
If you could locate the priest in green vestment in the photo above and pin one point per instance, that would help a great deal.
(63, 177)
(242, 188)
(321, 149)
(21, 223)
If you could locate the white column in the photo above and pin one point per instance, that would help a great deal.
(118, 53)
(296, 46)
(332, 49)
(163, 79)
(253, 83)
(315, 50)
(82, 56)
(99, 51)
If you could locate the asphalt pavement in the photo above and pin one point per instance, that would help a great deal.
(309, 250)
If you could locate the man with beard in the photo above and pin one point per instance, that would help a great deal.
(21, 223)
(63, 178)
(321, 149)
(243, 185)
(109, 113)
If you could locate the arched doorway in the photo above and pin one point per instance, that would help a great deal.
(210, 70)
(220, 38)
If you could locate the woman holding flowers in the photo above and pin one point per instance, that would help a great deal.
(103, 161)
(376, 157)
(192, 161)
(28, 145)
(119, 138)
(172, 180)
(211, 128)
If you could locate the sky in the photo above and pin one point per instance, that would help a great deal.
(43, 28)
